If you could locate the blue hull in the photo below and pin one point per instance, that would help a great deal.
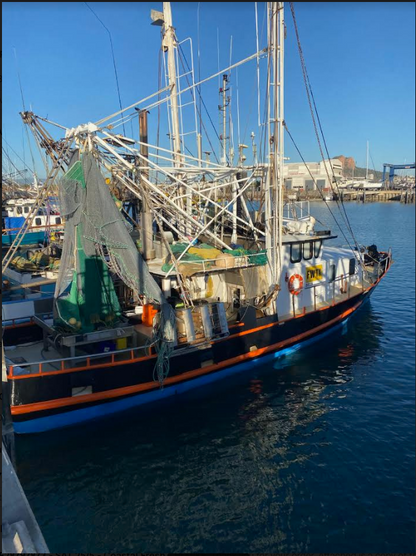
(31, 238)
(74, 417)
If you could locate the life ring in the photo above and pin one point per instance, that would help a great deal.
(295, 284)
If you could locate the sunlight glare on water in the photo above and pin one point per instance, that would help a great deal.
(311, 453)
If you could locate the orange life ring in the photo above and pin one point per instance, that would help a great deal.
(295, 284)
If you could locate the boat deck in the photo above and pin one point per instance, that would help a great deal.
(339, 298)
(23, 354)
(32, 358)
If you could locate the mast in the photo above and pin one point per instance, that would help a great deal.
(366, 167)
(147, 218)
(223, 109)
(169, 45)
(275, 118)
(281, 131)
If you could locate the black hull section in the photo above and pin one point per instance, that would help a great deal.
(257, 337)
(20, 334)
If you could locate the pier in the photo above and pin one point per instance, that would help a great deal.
(20, 530)
(384, 196)
(380, 196)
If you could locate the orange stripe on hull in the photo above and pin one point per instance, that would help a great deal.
(148, 386)
(144, 358)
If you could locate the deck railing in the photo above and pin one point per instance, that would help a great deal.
(239, 261)
(85, 362)
(13, 323)
(5, 231)
(82, 362)
(381, 267)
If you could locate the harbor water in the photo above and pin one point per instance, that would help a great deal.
(311, 453)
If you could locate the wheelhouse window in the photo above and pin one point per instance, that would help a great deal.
(19, 210)
(331, 273)
(26, 209)
(295, 253)
(352, 266)
(307, 250)
(38, 222)
(317, 248)
(57, 220)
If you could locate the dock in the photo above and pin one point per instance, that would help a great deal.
(20, 531)
(383, 196)
(405, 196)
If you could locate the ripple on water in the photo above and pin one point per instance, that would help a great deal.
(312, 453)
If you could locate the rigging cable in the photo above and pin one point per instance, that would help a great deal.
(256, 84)
(313, 109)
(372, 162)
(199, 68)
(24, 109)
(183, 59)
(320, 192)
(114, 60)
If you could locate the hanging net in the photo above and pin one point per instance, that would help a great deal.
(98, 242)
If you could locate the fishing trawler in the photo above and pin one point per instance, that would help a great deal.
(46, 222)
(212, 287)
(28, 281)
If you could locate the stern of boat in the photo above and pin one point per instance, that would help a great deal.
(377, 264)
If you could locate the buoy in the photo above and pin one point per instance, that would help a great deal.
(295, 284)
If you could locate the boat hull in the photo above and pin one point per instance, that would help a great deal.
(43, 402)
(30, 238)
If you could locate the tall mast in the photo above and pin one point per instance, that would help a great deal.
(281, 131)
(274, 179)
(366, 168)
(147, 218)
(169, 45)
(223, 111)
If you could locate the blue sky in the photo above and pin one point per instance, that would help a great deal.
(360, 59)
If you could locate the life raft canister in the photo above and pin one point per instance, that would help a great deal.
(295, 284)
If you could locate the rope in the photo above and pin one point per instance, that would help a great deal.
(11, 148)
(313, 109)
(114, 60)
(198, 90)
(320, 192)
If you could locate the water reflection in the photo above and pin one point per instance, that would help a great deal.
(205, 473)
(296, 382)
